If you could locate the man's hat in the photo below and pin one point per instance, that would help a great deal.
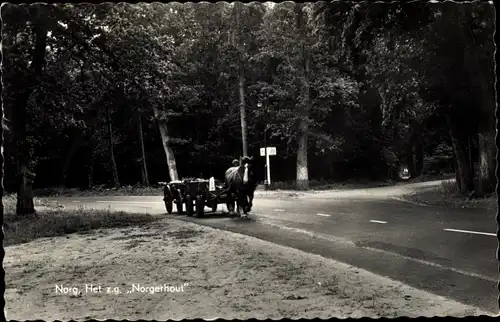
(236, 162)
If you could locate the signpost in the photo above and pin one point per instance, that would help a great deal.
(268, 152)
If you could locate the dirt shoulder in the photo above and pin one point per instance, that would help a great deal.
(358, 191)
(436, 197)
(213, 274)
(353, 187)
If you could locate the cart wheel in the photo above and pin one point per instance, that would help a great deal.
(168, 205)
(189, 205)
(200, 205)
(178, 202)
(167, 198)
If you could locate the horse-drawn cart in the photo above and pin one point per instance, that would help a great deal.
(195, 194)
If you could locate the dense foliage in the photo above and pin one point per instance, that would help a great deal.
(124, 93)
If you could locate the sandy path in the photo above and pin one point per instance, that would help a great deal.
(222, 274)
(395, 191)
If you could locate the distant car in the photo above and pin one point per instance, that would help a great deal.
(404, 173)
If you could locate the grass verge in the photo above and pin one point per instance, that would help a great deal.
(448, 195)
(138, 190)
(53, 220)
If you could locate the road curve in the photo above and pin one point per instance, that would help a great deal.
(449, 252)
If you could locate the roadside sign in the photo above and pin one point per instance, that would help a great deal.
(270, 151)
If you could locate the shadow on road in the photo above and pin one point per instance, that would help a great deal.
(209, 215)
(215, 215)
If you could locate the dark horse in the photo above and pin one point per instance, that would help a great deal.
(241, 186)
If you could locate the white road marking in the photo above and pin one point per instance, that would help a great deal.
(323, 215)
(435, 265)
(351, 243)
(379, 221)
(311, 233)
(470, 232)
(279, 209)
(137, 202)
(410, 202)
(76, 201)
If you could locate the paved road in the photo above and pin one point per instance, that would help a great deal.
(449, 252)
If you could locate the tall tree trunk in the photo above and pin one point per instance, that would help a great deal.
(114, 168)
(24, 157)
(487, 162)
(25, 205)
(458, 177)
(409, 159)
(90, 172)
(304, 103)
(419, 157)
(465, 182)
(485, 78)
(329, 167)
(69, 158)
(302, 168)
(144, 168)
(415, 144)
(165, 139)
(486, 182)
(243, 116)
(241, 81)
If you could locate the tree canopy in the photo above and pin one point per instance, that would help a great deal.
(124, 93)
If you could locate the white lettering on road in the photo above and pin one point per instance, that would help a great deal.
(378, 221)
(279, 209)
(76, 200)
(470, 232)
(323, 215)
